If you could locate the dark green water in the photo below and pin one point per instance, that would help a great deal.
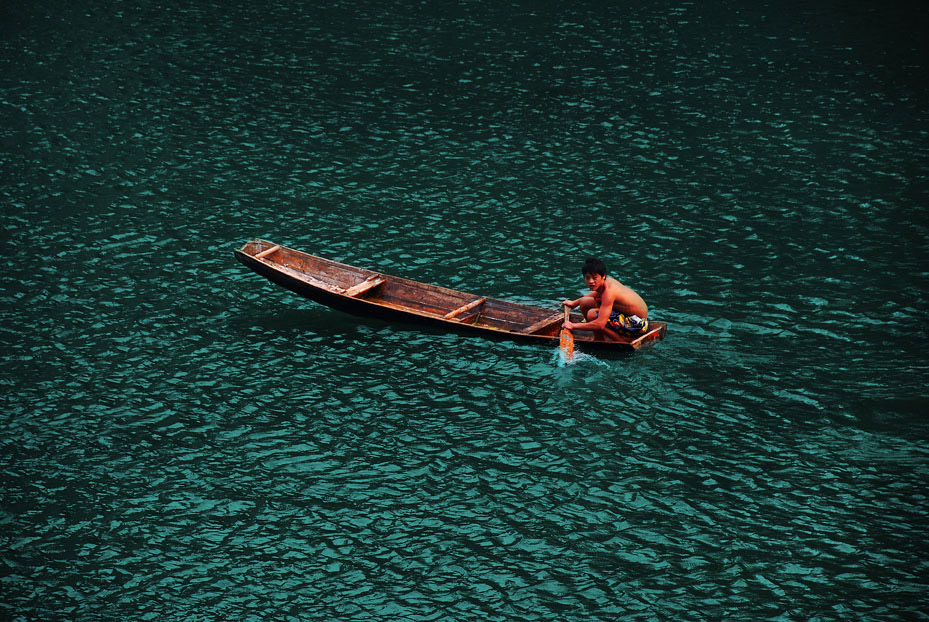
(183, 441)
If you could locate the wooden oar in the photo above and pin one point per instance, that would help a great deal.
(567, 338)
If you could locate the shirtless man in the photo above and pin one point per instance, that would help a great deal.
(611, 308)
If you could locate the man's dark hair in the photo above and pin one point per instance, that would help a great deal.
(593, 266)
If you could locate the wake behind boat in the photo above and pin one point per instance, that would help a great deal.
(373, 294)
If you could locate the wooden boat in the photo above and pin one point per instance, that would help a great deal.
(367, 293)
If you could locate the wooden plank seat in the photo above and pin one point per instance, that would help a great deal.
(545, 323)
(464, 308)
(267, 252)
(368, 284)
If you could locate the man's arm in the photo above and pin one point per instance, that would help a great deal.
(603, 315)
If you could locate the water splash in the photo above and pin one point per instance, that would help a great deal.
(561, 359)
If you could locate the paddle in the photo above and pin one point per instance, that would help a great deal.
(567, 339)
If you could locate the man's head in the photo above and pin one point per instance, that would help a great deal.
(594, 272)
(593, 266)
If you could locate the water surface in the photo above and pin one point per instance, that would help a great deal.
(183, 440)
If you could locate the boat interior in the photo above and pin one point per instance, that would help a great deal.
(403, 294)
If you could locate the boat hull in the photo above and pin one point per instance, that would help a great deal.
(365, 293)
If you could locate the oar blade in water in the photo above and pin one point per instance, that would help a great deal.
(567, 339)
(567, 343)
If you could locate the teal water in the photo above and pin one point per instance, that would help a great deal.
(181, 440)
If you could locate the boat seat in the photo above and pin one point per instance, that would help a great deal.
(368, 284)
(464, 308)
(534, 328)
(269, 251)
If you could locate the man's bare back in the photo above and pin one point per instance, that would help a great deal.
(625, 300)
